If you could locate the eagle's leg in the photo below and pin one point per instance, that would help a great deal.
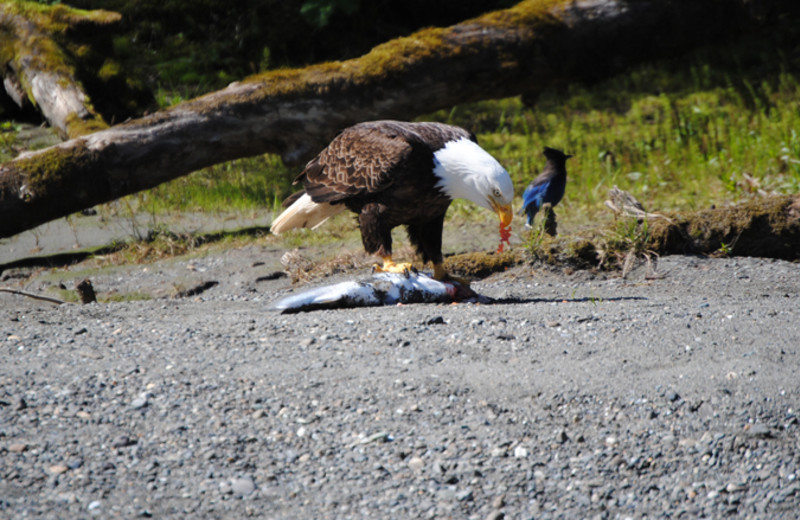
(427, 238)
(441, 274)
(376, 235)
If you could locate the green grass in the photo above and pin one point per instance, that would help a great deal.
(243, 185)
(673, 150)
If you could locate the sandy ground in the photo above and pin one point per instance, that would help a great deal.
(581, 395)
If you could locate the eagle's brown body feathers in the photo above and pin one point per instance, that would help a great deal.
(387, 183)
(393, 173)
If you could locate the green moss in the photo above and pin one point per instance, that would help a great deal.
(125, 297)
(54, 170)
(481, 264)
(44, 45)
(77, 126)
(110, 69)
(531, 15)
(396, 56)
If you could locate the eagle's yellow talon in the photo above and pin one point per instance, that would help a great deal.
(390, 267)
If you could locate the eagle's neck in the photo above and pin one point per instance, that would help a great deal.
(463, 169)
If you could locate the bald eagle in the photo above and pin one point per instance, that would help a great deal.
(393, 173)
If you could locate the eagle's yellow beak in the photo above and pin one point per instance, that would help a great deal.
(504, 213)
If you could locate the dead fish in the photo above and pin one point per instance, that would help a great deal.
(379, 289)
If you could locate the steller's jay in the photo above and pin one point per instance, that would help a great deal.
(548, 186)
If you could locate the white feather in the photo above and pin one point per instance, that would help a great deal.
(467, 171)
(305, 213)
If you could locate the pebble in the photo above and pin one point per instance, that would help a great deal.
(582, 436)
(243, 486)
(759, 430)
(464, 495)
(416, 463)
(141, 401)
(122, 441)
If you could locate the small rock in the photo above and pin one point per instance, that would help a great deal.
(760, 430)
(18, 447)
(733, 487)
(95, 504)
(496, 515)
(243, 486)
(464, 495)
(520, 452)
(122, 441)
(416, 463)
(499, 501)
(20, 404)
(58, 469)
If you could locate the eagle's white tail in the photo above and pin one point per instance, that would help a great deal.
(305, 213)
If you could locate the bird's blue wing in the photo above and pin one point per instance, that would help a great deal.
(532, 198)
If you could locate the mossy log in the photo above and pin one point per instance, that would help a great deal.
(521, 50)
(37, 70)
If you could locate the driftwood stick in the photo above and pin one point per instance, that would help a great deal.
(32, 295)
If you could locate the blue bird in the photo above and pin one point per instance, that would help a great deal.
(548, 186)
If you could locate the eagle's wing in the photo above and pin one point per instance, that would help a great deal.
(359, 160)
(366, 158)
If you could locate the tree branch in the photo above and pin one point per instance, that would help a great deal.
(36, 69)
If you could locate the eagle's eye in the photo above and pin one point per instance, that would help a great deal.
(497, 193)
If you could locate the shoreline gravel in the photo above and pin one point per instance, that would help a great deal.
(581, 395)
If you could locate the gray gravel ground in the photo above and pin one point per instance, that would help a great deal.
(580, 396)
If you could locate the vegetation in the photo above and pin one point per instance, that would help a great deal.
(676, 145)
(717, 127)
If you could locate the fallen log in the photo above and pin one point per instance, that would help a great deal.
(38, 70)
(521, 50)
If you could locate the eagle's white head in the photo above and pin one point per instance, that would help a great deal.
(467, 171)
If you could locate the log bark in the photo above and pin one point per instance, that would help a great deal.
(521, 50)
(36, 68)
